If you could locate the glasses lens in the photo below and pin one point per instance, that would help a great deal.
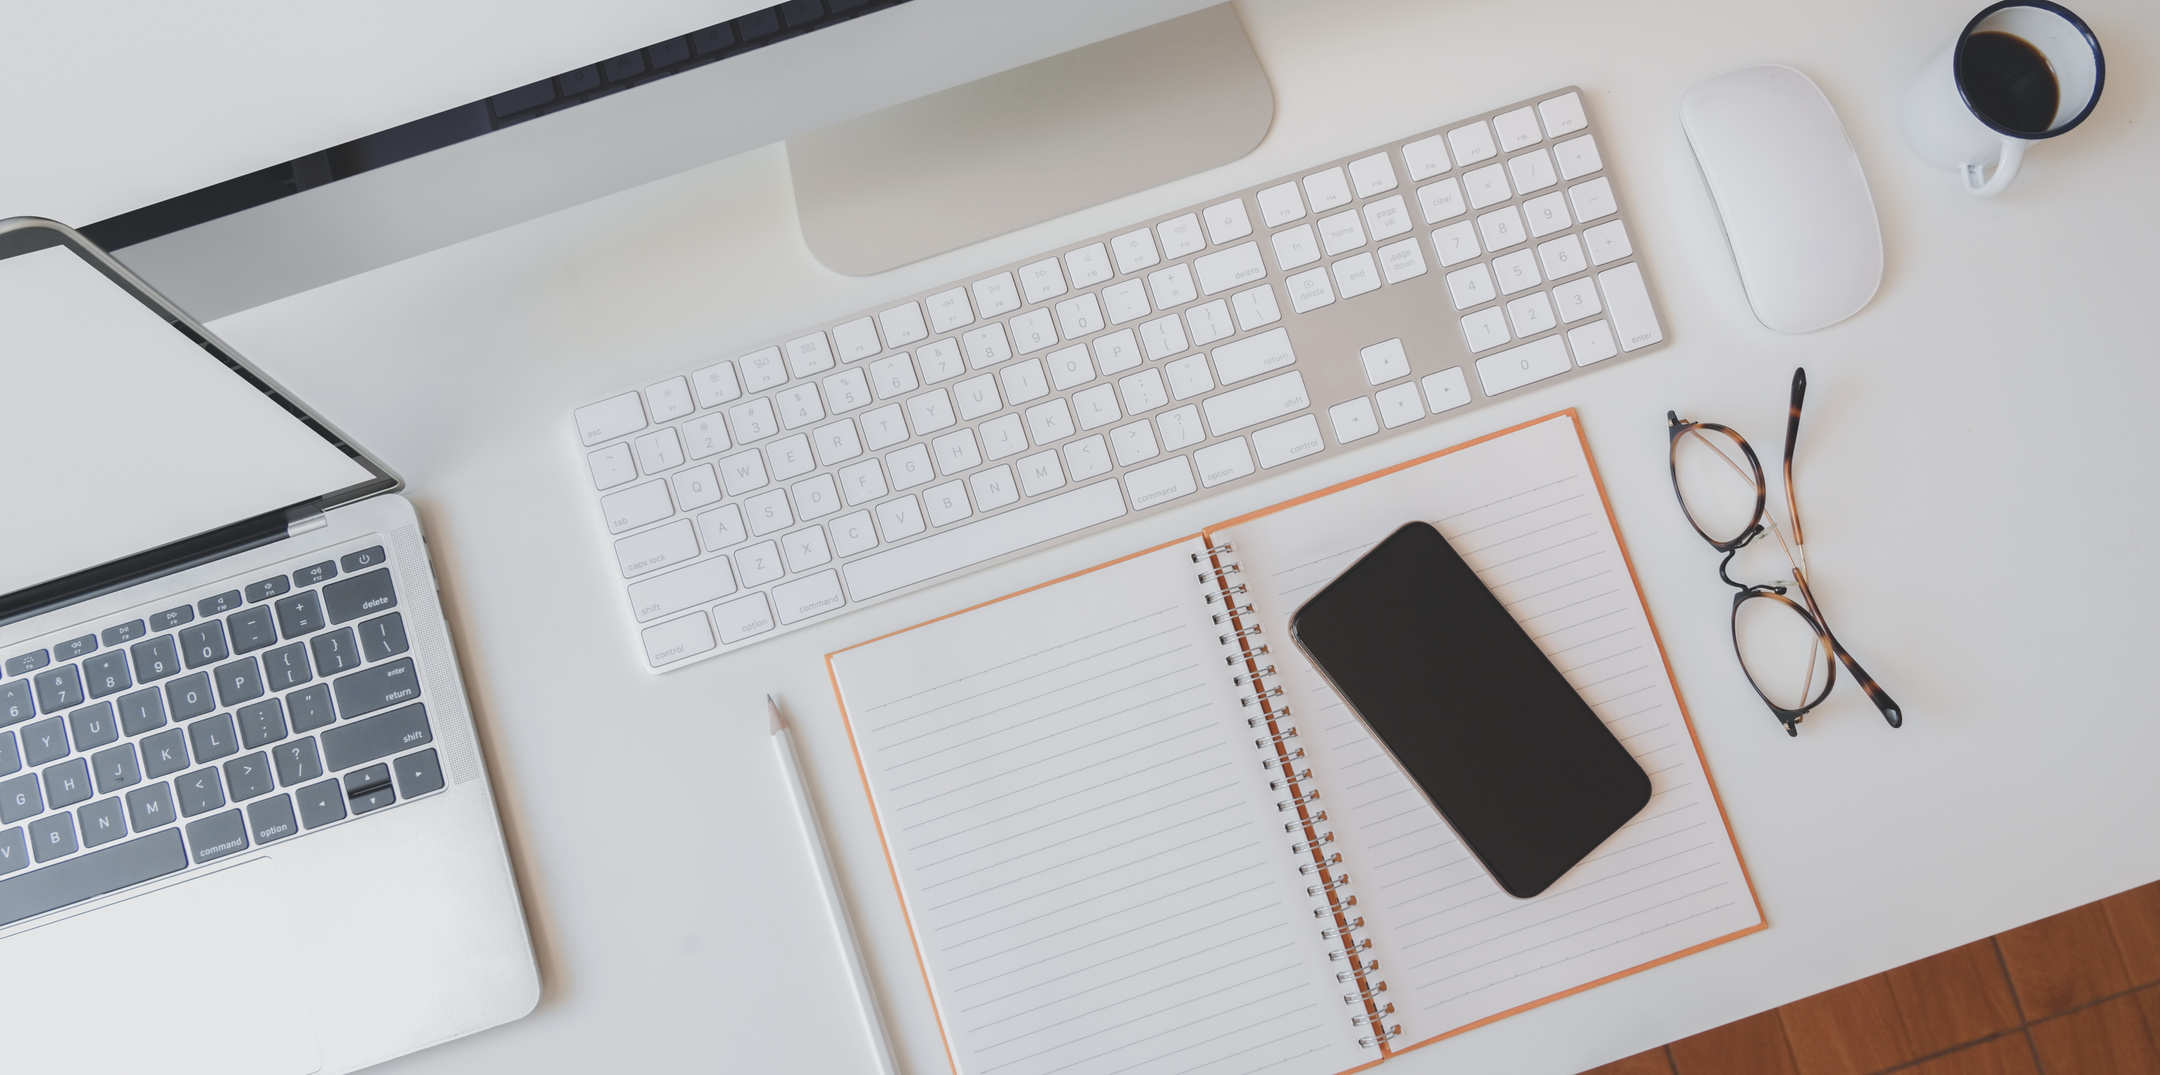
(1780, 651)
(1717, 486)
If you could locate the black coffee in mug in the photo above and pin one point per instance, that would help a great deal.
(2007, 81)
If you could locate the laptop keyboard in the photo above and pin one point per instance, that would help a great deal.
(177, 735)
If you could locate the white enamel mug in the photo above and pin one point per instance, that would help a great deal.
(1948, 130)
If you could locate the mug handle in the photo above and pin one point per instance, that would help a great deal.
(1980, 184)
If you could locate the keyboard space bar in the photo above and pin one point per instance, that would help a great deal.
(973, 543)
(77, 879)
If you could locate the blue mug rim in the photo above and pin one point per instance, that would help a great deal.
(2099, 68)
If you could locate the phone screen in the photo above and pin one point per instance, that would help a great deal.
(1496, 738)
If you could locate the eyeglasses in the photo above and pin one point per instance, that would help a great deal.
(1785, 647)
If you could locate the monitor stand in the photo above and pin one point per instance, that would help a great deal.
(1032, 143)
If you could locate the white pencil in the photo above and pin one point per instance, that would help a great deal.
(873, 1019)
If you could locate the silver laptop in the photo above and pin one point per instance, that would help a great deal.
(244, 822)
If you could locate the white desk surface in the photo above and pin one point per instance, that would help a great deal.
(1976, 468)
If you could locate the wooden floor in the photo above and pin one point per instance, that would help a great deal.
(2076, 994)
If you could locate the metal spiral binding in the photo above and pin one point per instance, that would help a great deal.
(1225, 592)
(1333, 932)
(1282, 782)
(1244, 678)
(1234, 612)
(1220, 573)
(1253, 652)
(1269, 765)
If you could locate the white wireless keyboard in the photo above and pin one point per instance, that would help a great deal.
(857, 459)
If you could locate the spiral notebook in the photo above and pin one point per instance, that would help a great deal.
(1133, 831)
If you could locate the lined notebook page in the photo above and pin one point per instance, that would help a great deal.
(1089, 855)
(1525, 511)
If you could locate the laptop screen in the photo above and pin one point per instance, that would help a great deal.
(119, 434)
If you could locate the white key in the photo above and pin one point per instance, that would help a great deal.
(1400, 261)
(669, 400)
(799, 406)
(1226, 461)
(1309, 290)
(883, 428)
(1341, 232)
(1126, 301)
(1562, 257)
(715, 384)
(1164, 336)
(1188, 376)
(1087, 458)
(1356, 276)
(808, 355)
(1225, 269)
(1426, 157)
(996, 295)
(1228, 412)
(1143, 391)
(1446, 390)
(722, 527)
(676, 639)
(1517, 129)
(1353, 420)
(903, 325)
(852, 533)
(1095, 407)
(1133, 442)
(947, 504)
(1502, 228)
(893, 376)
(1179, 428)
(1577, 299)
(1210, 321)
(1226, 221)
(956, 451)
(1003, 436)
(790, 457)
(1164, 481)
(706, 436)
(1592, 343)
(1253, 356)
(994, 488)
(1487, 186)
(940, 361)
(812, 595)
(1295, 247)
(743, 473)
(1171, 286)
(1024, 382)
(1040, 473)
(836, 443)
(1387, 218)
(1608, 242)
(1031, 332)
(1485, 329)
(1089, 265)
(910, 466)
(1563, 114)
(806, 549)
(1531, 171)
(1372, 175)
(1546, 213)
(1079, 316)
(1629, 303)
(1400, 405)
(1514, 368)
(1180, 236)
(949, 310)
(1531, 314)
(855, 340)
(760, 563)
(1255, 306)
(1069, 367)
(610, 418)
(848, 390)
(985, 346)
(654, 549)
(861, 483)
(636, 506)
(1442, 200)
(1593, 199)
(745, 617)
(1578, 157)
(1456, 243)
(1042, 280)
(902, 518)
(611, 466)
(762, 369)
(666, 595)
(1042, 520)
(1472, 143)
(817, 497)
(929, 413)
(1516, 272)
(696, 487)
(1135, 250)
(1384, 362)
(753, 420)
(1294, 439)
(1471, 286)
(1280, 204)
(1327, 190)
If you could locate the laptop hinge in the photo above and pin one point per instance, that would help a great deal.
(300, 523)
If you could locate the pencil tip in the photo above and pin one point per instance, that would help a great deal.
(772, 714)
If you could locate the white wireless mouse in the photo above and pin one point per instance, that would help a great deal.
(1790, 192)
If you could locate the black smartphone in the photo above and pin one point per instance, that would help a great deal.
(1462, 698)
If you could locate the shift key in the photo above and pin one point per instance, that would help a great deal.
(379, 687)
(378, 736)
